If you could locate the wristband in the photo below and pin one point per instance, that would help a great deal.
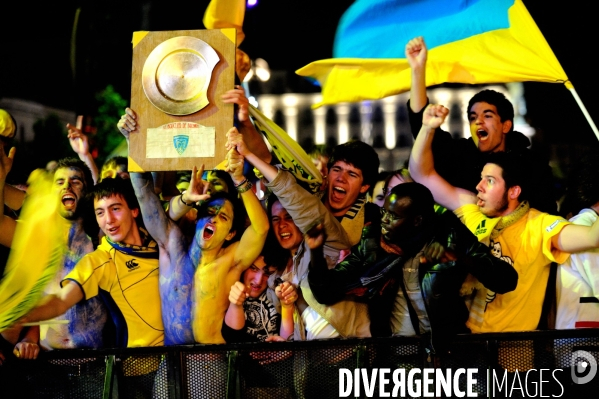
(240, 184)
(247, 186)
(183, 202)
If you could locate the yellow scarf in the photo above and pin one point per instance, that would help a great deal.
(510, 219)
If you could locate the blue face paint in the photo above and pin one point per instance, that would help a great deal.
(215, 206)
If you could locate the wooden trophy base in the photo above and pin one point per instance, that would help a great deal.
(177, 81)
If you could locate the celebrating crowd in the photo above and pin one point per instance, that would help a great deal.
(462, 240)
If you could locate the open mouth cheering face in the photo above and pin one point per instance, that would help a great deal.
(345, 183)
(288, 234)
(486, 127)
(215, 227)
(70, 186)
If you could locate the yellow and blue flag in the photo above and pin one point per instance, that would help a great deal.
(469, 41)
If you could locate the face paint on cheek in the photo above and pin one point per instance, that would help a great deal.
(215, 206)
(201, 224)
(474, 138)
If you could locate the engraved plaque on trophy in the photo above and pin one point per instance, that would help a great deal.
(177, 80)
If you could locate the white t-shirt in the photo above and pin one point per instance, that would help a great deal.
(316, 326)
(578, 283)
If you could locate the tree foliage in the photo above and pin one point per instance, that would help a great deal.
(110, 107)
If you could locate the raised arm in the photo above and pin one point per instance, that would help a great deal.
(253, 138)
(180, 204)
(239, 143)
(416, 54)
(7, 224)
(154, 217)
(422, 167)
(254, 236)
(80, 144)
(305, 208)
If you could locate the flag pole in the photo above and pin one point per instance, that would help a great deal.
(583, 109)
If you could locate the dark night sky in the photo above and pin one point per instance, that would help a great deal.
(35, 42)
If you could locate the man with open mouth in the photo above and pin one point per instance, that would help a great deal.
(123, 270)
(500, 216)
(293, 213)
(87, 319)
(196, 277)
(409, 266)
(491, 119)
(353, 168)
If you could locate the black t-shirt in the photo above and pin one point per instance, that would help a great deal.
(261, 320)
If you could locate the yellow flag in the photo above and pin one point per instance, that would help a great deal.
(226, 14)
(291, 155)
(37, 251)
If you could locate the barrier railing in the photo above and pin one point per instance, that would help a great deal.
(503, 365)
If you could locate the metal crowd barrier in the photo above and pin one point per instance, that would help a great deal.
(299, 369)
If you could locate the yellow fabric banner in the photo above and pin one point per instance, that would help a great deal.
(37, 251)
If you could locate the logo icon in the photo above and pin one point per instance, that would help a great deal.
(181, 141)
(480, 229)
(584, 367)
(131, 264)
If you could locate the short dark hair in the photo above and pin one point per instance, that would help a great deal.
(421, 199)
(505, 109)
(78, 164)
(515, 170)
(239, 212)
(114, 186)
(360, 155)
